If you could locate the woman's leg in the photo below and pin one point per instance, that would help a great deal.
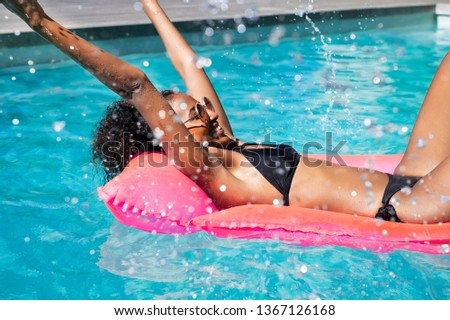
(429, 200)
(429, 143)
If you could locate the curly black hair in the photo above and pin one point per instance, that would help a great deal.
(120, 135)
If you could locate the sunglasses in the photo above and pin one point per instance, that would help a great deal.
(200, 111)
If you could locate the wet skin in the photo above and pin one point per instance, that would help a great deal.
(307, 186)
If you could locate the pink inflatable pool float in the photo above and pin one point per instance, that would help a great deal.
(153, 196)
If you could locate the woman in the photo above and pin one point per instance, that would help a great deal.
(196, 135)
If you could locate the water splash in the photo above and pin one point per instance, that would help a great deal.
(331, 83)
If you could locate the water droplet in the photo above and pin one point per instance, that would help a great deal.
(15, 122)
(138, 6)
(421, 143)
(403, 130)
(251, 14)
(353, 36)
(445, 248)
(303, 269)
(32, 70)
(384, 233)
(376, 80)
(406, 190)
(209, 32)
(92, 252)
(58, 126)
(17, 33)
(30, 62)
(146, 63)
(278, 202)
(444, 199)
(158, 133)
(202, 62)
(298, 77)
(368, 123)
(26, 239)
(354, 193)
(309, 8)
(74, 200)
(241, 28)
(276, 34)
(223, 188)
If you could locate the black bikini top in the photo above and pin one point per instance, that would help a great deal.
(276, 162)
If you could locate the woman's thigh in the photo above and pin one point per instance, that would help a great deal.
(429, 143)
(429, 200)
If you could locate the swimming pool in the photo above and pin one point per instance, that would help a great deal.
(58, 241)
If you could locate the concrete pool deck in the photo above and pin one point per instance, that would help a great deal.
(81, 14)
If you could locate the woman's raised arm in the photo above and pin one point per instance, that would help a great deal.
(121, 77)
(116, 74)
(133, 85)
(184, 59)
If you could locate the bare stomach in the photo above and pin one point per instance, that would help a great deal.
(338, 188)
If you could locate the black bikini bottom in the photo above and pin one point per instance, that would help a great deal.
(395, 184)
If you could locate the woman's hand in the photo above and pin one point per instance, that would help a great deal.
(150, 6)
(29, 11)
(146, 2)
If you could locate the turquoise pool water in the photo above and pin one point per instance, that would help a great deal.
(58, 241)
